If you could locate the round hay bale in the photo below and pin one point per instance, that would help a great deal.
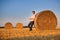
(45, 20)
(8, 25)
(19, 25)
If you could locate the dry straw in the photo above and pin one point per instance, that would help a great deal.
(8, 25)
(19, 25)
(45, 20)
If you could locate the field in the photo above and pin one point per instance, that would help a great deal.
(25, 34)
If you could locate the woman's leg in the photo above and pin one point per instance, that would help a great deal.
(29, 24)
(32, 23)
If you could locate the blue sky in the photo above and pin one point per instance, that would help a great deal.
(15, 11)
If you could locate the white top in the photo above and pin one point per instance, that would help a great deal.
(33, 17)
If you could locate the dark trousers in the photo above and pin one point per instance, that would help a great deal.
(30, 25)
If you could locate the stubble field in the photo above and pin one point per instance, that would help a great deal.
(25, 34)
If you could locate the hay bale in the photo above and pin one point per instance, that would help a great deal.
(19, 25)
(45, 20)
(8, 25)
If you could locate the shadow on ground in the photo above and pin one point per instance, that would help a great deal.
(50, 37)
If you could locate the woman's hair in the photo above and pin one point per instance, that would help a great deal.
(33, 12)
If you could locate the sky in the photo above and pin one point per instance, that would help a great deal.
(15, 11)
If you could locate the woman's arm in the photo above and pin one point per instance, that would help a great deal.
(31, 19)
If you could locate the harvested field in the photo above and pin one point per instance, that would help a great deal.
(25, 34)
